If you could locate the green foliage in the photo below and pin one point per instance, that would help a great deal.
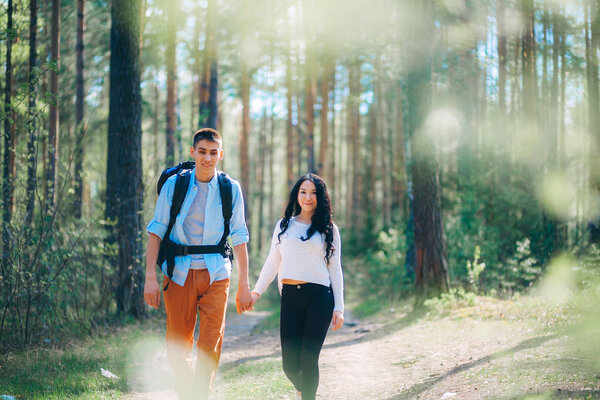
(446, 302)
(56, 282)
(475, 268)
(383, 266)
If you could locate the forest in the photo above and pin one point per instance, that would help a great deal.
(459, 140)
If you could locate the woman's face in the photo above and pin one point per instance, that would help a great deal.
(307, 196)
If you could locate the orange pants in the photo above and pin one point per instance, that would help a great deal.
(182, 305)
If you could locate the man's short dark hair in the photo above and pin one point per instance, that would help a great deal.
(207, 134)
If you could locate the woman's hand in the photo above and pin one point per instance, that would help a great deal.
(255, 297)
(338, 320)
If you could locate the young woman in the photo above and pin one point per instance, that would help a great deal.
(305, 252)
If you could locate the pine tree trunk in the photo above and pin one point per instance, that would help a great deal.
(399, 160)
(500, 18)
(591, 47)
(124, 190)
(172, 20)
(289, 123)
(244, 135)
(7, 186)
(529, 71)
(353, 201)
(31, 111)
(431, 268)
(79, 112)
(53, 142)
(208, 107)
(323, 168)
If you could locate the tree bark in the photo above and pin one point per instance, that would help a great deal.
(529, 71)
(53, 140)
(7, 187)
(31, 111)
(323, 168)
(353, 208)
(172, 19)
(500, 18)
(244, 135)
(289, 124)
(208, 108)
(79, 112)
(124, 162)
(431, 268)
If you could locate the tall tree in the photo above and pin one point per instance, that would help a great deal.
(7, 187)
(431, 269)
(31, 111)
(208, 107)
(323, 168)
(289, 127)
(529, 70)
(172, 19)
(124, 162)
(79, 111)
(244, 135)
(53, 139)
(310, 92)
(592, 32)
(354, 187)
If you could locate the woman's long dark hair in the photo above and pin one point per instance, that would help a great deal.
(322, 220)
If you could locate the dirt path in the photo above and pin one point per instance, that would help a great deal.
(400, 358)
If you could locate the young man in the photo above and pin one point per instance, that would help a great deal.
(200, 282)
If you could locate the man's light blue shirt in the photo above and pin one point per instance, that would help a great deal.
(218, 267)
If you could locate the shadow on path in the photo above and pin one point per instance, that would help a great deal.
(419, 388)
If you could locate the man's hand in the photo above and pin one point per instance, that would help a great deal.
(152, 291)
(243, 299)
(337, 321)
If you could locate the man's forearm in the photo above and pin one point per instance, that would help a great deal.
(241, 260)
(152, 254)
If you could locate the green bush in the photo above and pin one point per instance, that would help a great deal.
(454, 298)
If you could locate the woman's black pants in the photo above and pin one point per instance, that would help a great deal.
(306, 312)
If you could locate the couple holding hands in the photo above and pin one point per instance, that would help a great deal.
(305, 253)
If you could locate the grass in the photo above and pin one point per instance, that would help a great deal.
(71, 371)
(258, 380)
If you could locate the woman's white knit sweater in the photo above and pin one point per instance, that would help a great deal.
(301, 260)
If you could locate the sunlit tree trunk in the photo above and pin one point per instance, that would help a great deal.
(244, 135)
(529, 70)
(172, 21)
(124, 190)
(31, 111)
(399, 160)
(323, 168)
(592, 30)
(353, 163)
(79, 112)
(53, 142)
(208, 105)
(431, 269)
(7, 186)
(289, 127)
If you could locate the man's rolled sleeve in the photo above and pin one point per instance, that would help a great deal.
(158, 225)
(239, 231)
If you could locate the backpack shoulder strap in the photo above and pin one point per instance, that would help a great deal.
(181, 186)
(226, 197)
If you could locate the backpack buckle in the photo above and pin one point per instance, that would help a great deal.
(185, 250)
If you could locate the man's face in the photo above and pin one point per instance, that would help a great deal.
(206, 154)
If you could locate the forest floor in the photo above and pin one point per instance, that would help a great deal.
(484, 348)
(493, 349)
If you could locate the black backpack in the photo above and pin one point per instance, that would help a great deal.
(169, 249)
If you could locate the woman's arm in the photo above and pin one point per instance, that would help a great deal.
(335, 272)
(271, 265)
